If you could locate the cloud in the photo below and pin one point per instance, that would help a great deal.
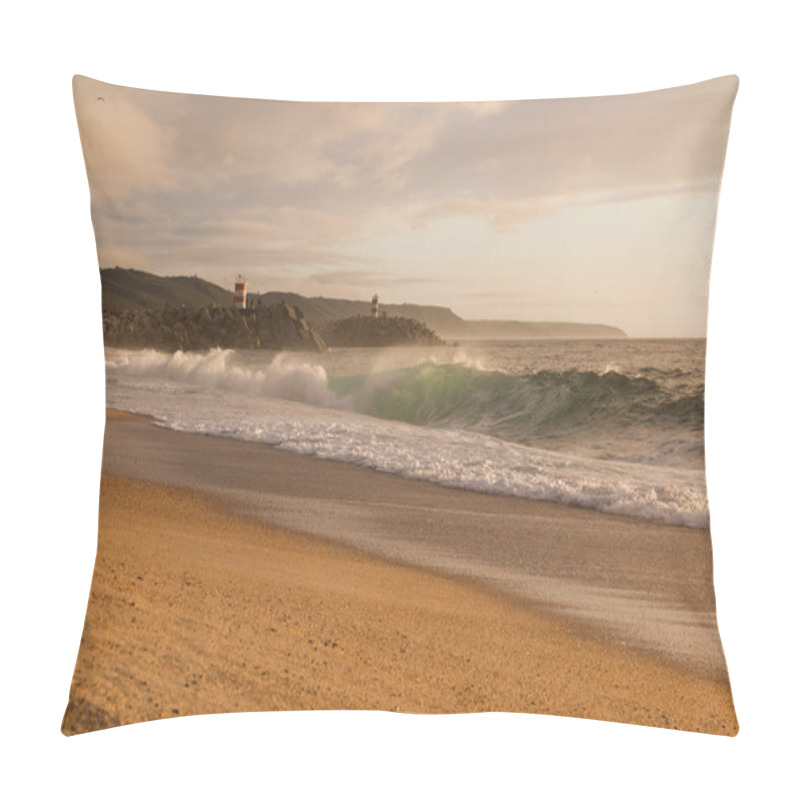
(127, 152)
(379, 279)
(319, 190)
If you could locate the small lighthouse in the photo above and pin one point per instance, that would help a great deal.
(240, 293)
(374, 306)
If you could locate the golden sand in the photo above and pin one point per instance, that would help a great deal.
(196, 611)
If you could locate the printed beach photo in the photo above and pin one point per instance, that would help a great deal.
(405, 407)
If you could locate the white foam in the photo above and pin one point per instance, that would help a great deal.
(271, 406)
(281, 378)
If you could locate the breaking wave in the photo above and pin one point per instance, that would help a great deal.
(629, 444)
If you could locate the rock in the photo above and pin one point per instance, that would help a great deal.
(362, 331)
(282, 325)
(277, 327)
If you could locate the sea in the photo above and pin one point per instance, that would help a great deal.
(609, 424)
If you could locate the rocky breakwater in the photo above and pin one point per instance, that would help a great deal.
(361, 331)
(275, 327)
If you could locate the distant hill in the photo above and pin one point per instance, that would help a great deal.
(509, 329)
(319, 311)
(131, 289)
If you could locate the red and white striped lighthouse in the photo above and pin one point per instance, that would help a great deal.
(240, 294)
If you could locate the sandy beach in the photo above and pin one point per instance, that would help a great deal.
(234, 577)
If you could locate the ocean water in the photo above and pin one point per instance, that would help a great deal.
(615, 425)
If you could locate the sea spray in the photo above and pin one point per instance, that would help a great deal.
(214, 369)
(622, 437)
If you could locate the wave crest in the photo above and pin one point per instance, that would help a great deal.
(603, 414)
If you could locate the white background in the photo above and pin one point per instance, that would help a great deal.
(52, 387)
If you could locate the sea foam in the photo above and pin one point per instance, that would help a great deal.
(424, 422)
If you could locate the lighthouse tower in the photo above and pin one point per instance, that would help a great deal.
(374, 306)
(240, 293)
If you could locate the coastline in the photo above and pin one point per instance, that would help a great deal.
(226, 613)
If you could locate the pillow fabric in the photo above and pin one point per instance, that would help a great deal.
(405, 407)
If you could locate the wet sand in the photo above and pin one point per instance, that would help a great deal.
(522, 606)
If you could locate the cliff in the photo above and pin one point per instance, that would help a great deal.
(135, 289)
(362, 331)
(277, 327)
(320, 311)
(511, 329)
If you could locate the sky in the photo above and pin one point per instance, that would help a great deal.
(598, 210)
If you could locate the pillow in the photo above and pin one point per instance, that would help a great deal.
(405, 407)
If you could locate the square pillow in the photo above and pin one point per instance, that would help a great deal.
(405, 407)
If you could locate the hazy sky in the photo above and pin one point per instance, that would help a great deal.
(589, 210)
